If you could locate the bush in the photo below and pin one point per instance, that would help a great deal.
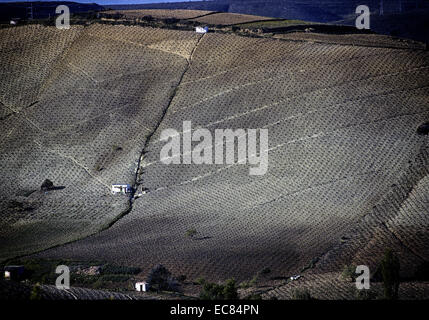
(349, 273)
(191, 233)
(36, 293)
(255, 296)
(213, 291)
(46, 185)
(301, 294)
(390, 268)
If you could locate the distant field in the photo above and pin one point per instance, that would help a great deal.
(161, 14)
(369, 40)
(229, 18)
(207, 17)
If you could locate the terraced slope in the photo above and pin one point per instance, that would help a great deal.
(344, 157)
(76, 108)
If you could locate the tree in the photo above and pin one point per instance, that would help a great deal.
(230, 290)
(390, 268)
(36, 293)
(349, 273)
(160, 279)
(213, 291)
(46, 185)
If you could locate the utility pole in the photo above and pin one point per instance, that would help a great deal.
(381, 8)
(30, 11)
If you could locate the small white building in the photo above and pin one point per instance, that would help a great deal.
(13, 22)
(121, 188)
(142, 286)
(201, 29)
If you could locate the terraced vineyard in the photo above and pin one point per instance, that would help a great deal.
(347, 174)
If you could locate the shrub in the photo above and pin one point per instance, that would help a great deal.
(200, 281)
(46, 185)
(349, 273)
(36, 293)
(301, 294)
(390, 272)
(213, 291)
(255, 296)
(423, 129)
(191, 233)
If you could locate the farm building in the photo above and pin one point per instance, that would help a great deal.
(13, 272)
(201, 29)
(121, 188)
(142, 286)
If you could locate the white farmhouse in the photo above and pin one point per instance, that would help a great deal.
(121, 188)
(142, 286)
(201, 29)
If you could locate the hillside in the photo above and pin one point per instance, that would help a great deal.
(85, 107)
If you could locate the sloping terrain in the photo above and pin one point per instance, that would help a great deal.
(347, 174)
(10, 290)
(76, 108)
